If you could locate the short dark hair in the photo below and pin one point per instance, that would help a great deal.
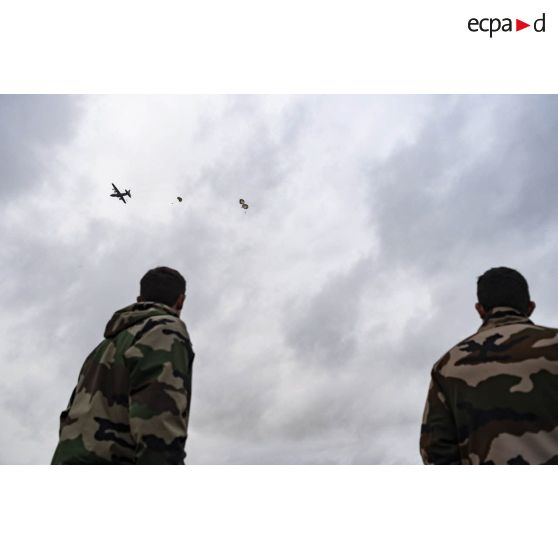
(503, 286)
(162, 284)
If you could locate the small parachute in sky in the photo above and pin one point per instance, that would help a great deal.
(243, 204)
(179, 198)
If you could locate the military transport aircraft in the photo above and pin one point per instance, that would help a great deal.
(119, 194)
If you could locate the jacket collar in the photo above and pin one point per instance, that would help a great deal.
(503, 315)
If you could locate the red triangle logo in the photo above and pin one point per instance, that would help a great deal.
(519, 25)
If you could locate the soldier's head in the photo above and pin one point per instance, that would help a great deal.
(164, 285)
(503, 286)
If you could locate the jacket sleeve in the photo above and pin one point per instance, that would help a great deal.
(438, 436)
(160, 365)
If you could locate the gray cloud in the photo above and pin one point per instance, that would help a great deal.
(479, 176)
(33, 126)
(324, 329)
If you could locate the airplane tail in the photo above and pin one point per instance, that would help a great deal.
(127, 192)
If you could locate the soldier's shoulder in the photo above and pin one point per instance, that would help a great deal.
(540, 336)
(543, 328)
(441, 362)
(169, 327)
(451, 354)
(173, 323)
(475, 348)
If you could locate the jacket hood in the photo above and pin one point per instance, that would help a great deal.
(131, 315)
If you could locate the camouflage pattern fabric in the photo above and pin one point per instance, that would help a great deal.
(493, 398)
(132, 400)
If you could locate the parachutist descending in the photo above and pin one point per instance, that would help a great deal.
(179, 198)
(243, 204)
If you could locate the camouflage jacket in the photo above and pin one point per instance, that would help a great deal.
(132, 399)
(493, 398)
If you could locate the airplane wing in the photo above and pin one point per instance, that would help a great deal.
(115, 189)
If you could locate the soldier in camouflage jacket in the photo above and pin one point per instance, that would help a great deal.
(493, 398)
(132, 400)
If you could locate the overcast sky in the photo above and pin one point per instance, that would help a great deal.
(315, 315)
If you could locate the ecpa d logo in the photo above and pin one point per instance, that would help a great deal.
(492, 25)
